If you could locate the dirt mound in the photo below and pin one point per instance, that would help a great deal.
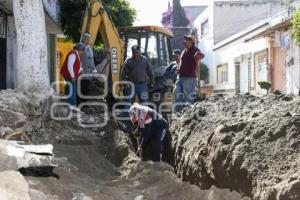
(245, 143)
(88, 163)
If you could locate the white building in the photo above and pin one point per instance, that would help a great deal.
(284, 59)
(241, 64)
(235, 66)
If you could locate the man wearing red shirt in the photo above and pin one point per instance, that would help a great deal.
(187, 73)
(71, 70)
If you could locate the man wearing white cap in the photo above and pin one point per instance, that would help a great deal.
(187, 73)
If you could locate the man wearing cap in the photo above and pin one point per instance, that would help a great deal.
(187, 73)
(171, 70)
(71, 70)
(137, 70)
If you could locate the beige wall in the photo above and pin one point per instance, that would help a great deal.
(278, 69)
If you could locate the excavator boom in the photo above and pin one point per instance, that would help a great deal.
(97, 21)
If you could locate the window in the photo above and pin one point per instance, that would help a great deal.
(261, 61)
(204, 28)
(222, 73)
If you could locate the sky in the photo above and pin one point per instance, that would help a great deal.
(149, 12)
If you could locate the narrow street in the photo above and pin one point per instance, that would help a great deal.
(149, 100)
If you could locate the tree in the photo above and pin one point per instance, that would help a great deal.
(178, 16)
(72, 12)
(296, 26)
(179, 22)
(203, 72)
(31, 61)
(265, 85)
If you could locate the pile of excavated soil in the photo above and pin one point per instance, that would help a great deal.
(245, 143)
(88, 163)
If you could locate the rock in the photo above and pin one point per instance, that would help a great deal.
(258, 133)
(288, 114)
(25, 155)
(140, 197)
(7, 162)
(223, 194)
(277, 92)
(38, 195)
(81, 196)
(287, 98)
(13, 186)
(254, 115)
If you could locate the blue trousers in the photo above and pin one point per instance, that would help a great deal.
(158, 145)
(140, 89)
(184, 92)
(71, 89)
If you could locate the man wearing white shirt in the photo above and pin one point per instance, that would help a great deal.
(71, 70)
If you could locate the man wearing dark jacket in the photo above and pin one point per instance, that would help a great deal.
(152, 127)
(187, 73)
(171, 70)
(137, 70)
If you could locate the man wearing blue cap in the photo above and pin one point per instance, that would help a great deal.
(137, 70)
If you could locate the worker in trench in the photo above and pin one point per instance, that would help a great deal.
(151, 128)
(71, 70)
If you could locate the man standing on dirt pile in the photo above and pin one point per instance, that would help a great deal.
(151, 127)
(137, 70)
(88, 64)
(71, 70)
(187, 73)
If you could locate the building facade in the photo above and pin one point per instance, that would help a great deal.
(283, 52)
(236, 63)
(8, 40)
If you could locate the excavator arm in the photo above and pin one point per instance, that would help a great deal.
(96, 20)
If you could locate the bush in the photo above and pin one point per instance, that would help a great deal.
(296, 26)
(265, 85)
(203, 72)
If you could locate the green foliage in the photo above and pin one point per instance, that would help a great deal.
(72, 13)
(203, 72)
(265, 85)
(121, 12)
(296, 26)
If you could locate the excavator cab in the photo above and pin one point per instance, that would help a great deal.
(153, 40)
